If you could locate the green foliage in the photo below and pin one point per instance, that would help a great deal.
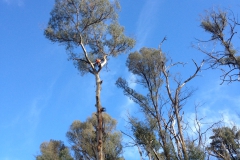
(225, 143)
(222, 27)
(166, 136)
(215, 23)
(138, 98)
(144, 134)
(91, 24)
(71, 19)
(147, 64)
(151, 134)
(195, 152)
(82, 136)
(54, 150)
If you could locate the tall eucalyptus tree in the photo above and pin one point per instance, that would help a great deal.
(90, 31)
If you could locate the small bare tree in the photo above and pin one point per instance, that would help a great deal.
(176, 97)
(223, 55)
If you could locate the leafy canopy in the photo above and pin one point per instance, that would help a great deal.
(91, 24)
(82, 137)
(225, 143)
(54, 150)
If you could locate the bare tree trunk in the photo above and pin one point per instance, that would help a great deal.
(149, 156)
(166, 150)
(99, 119)
(175, 103)
(184, 148)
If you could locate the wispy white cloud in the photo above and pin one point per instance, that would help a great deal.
(132, 80)
(19, 3)
(146, 20)
(130, 153)
(220, 118)
(230, 119)
(220, 104)
(35, 112)
(10, 158)
(128, 106)
(33, 119)
(33, 115)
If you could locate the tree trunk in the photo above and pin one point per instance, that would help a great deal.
(182, 141)
(166, 150)
(99, 119)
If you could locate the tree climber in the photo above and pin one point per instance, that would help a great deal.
(98, 62)
(101, 62)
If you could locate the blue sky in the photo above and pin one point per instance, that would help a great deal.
(41, 93)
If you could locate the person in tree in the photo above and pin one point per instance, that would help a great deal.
(98, 61)
(101, 62)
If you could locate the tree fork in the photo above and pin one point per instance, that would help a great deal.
(163, 136)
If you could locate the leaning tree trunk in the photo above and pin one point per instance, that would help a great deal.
(99, 119)
(178, 118)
